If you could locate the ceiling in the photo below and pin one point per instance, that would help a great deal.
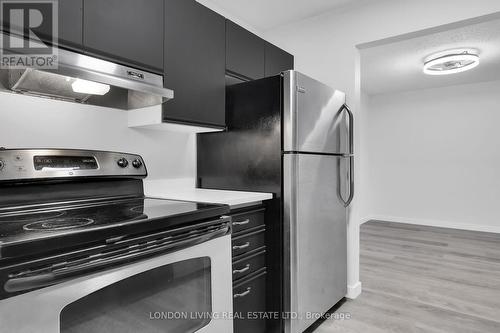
(264, 15)
(397, 66)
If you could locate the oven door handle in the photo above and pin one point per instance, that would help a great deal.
(62, 274)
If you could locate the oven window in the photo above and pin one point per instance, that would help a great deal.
(172, 298)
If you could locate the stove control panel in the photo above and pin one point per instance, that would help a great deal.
(42, 162)
(23, 164)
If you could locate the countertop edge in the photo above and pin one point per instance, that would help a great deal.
(176, 189)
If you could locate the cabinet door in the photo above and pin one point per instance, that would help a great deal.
(71, 23)
(249, 300)
(244, 53)
(194, 63)
(128, 31)
(277, 60)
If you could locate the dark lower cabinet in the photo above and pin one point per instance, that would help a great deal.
(249, 263)
(248, 219)
(244, 53)
(249, 304)
(277, 60)
(248, 241)
(194, 64)
(128, 31)
(250, 276)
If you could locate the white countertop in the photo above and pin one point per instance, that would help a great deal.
(184, 189)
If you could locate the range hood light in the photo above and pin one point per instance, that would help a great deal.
(80, 78)
(451, 62)
(90, 87)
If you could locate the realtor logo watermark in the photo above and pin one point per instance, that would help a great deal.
(30, 28)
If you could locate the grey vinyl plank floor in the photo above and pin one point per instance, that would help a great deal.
(424, 279)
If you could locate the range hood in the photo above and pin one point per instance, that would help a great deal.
(83, 79)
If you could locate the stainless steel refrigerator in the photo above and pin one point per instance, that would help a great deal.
(293, 136)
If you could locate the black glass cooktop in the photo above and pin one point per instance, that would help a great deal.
(41, 229)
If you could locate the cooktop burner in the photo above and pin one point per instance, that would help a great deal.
(137, 209)
(34, 217)
(58, 224)
(44, 228)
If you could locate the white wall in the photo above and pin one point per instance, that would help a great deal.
(325, 48)
(434, 156)
(230, 16)
(27, 122)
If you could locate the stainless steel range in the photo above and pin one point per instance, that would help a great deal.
(82, 249)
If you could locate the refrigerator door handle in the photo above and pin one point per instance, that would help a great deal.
(351, 127)
(350, 154)
(350, 174)
(351, 181)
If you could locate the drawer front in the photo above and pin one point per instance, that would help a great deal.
(247, 220)
(249, 296)
(249, 264)
(248, 242)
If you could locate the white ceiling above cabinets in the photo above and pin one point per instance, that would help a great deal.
(264, 15)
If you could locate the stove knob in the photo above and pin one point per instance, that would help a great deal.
(136, 163)
(2, 165)
(122, 162)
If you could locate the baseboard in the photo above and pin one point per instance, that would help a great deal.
(354, 290)
(434, 223)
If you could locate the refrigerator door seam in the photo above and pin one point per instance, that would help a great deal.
(316, 153)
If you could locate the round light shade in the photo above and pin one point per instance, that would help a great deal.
(450, 62)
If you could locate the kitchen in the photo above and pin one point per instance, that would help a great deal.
(201, 48)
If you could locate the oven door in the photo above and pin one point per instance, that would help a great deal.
(185, 291)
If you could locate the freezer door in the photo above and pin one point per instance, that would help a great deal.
(315, 236)
(313, 119)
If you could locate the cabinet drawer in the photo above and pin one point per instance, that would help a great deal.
(249, 264)
(249, 296)
(248, 241)
(247, 220)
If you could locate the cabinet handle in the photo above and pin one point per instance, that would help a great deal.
(243, 270)
(239, 247)
(242, 222)
(243, 294)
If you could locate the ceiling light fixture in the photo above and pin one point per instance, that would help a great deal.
(451, 62)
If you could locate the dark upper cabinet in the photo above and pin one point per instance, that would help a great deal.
(194, 63)
(277, 60)
(244, 52)
(70, 18)
(70, 25)
(128, 31)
